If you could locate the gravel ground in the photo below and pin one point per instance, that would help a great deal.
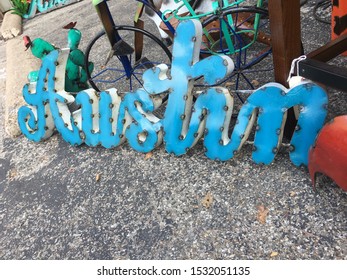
(64, 202)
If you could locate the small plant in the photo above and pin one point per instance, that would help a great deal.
(20, 7)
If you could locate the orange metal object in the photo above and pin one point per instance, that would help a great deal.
(329, 154)
(339, 19)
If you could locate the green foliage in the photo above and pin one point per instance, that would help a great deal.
(20, 7)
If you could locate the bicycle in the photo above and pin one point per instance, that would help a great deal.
(232, 29)
(228, 29)
(127, 51)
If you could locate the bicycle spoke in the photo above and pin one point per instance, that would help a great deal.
(249, 49)
(122, 71)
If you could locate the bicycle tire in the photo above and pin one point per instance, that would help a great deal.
(257, 50)
(114, 75)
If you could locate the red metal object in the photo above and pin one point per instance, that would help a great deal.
(329, 154)
(70, 25)
(339, 19)
(27, 42)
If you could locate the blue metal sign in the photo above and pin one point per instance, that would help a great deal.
(44, 6)
(108, 119)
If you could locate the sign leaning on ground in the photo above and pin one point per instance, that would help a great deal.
(44, 6)
(107, 119)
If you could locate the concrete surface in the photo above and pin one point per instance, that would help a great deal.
(18, 62)
(11, 26)
(64, 202)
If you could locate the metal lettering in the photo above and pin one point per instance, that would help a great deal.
(108, 119)
(43, 6)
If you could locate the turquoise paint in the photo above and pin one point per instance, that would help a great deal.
(108, 119)
(43, 6)
(76, 75)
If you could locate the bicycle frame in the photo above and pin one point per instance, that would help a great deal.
(221, 9)
(145, 3)
(228, 28)
(113, 36)
(217, 8)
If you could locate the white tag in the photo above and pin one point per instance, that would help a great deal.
(295, 81)
(295, 63)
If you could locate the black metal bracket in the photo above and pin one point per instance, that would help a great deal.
(316, 68)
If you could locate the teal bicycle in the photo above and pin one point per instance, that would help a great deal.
(228, 28)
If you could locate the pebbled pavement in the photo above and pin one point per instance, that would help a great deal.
(64, 202)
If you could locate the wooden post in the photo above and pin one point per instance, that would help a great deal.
(285, 36)
(286, 45)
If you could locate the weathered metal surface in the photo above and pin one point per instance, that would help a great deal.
(108, 119)
(76, 75)
(329, 153)
(43, 6)
(339, 19)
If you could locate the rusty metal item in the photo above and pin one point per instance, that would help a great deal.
(246, 22)
(329, 154)
(173, 21)
(109, 119)
(339, 20)
(243, 21)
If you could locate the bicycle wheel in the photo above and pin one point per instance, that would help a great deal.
(243, 33)
(110, 71)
